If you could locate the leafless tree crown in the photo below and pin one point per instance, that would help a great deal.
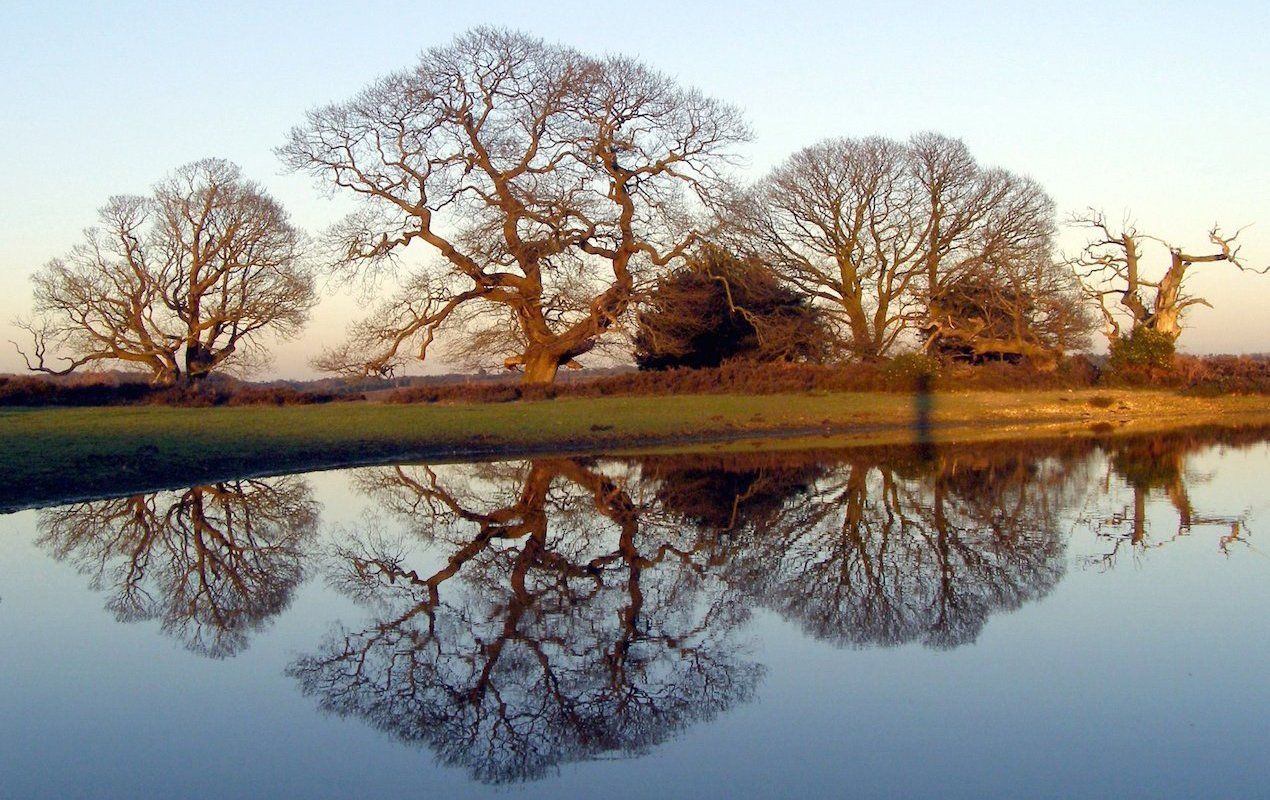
(545, 183)
(178, 283)
(875, 229)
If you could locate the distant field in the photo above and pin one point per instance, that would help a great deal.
(52, 454)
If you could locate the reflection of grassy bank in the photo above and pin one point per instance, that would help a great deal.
(51, 454)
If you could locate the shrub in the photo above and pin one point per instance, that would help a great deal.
(1144, 352)
(1214, 375)
(718, 308)
(911, 370)
(86, 390)
(1077, 371)
(90, 391)
(1201, 375)
(1208, 375)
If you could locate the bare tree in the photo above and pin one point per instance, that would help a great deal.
(101, 302)
(874, 228)
(547, 182)
(1110, 266)
(837, 220)
(181, 282)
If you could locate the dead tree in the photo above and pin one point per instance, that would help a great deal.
(1111, 271)
(1162, 467)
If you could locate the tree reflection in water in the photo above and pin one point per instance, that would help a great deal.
(557, 610)
(887, 552)
(1159, 467)
(212, 563)
(528, 614)
(557, 627)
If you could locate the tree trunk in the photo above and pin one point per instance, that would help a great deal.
(1139, 534)
(1167, 322)
(198, 362)
(541, 367)
(166, 377)
(864, 345)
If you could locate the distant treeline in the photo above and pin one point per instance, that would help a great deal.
(1192, 374)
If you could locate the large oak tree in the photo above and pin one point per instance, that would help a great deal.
(543, 183)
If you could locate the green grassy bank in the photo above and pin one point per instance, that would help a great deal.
(51, 454)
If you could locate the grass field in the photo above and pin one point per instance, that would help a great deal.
(51, 454)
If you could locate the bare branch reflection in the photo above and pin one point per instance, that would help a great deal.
(541, 612)
(888, 551)
(212, 563)
(1160, 469)
(528, 614)
(555, 627)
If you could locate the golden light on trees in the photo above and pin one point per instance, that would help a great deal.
(878, 230)
(546, 183)
(178, 283)
(1112, 272)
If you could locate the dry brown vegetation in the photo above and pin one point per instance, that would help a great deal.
(90, 390)
(1206, 375)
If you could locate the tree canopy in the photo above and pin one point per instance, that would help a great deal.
(180, 282)
(545, 183)
(524, 204)
(1028, 310)
(874, 228)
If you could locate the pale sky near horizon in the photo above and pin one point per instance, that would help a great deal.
(1161, 109)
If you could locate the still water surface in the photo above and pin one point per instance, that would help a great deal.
(1029, 619)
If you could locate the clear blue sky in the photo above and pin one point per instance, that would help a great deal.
(1160, 108)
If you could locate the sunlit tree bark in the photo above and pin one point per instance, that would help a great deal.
(1128, 292)
(544, 182)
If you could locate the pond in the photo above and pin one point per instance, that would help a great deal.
(1061, 618)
